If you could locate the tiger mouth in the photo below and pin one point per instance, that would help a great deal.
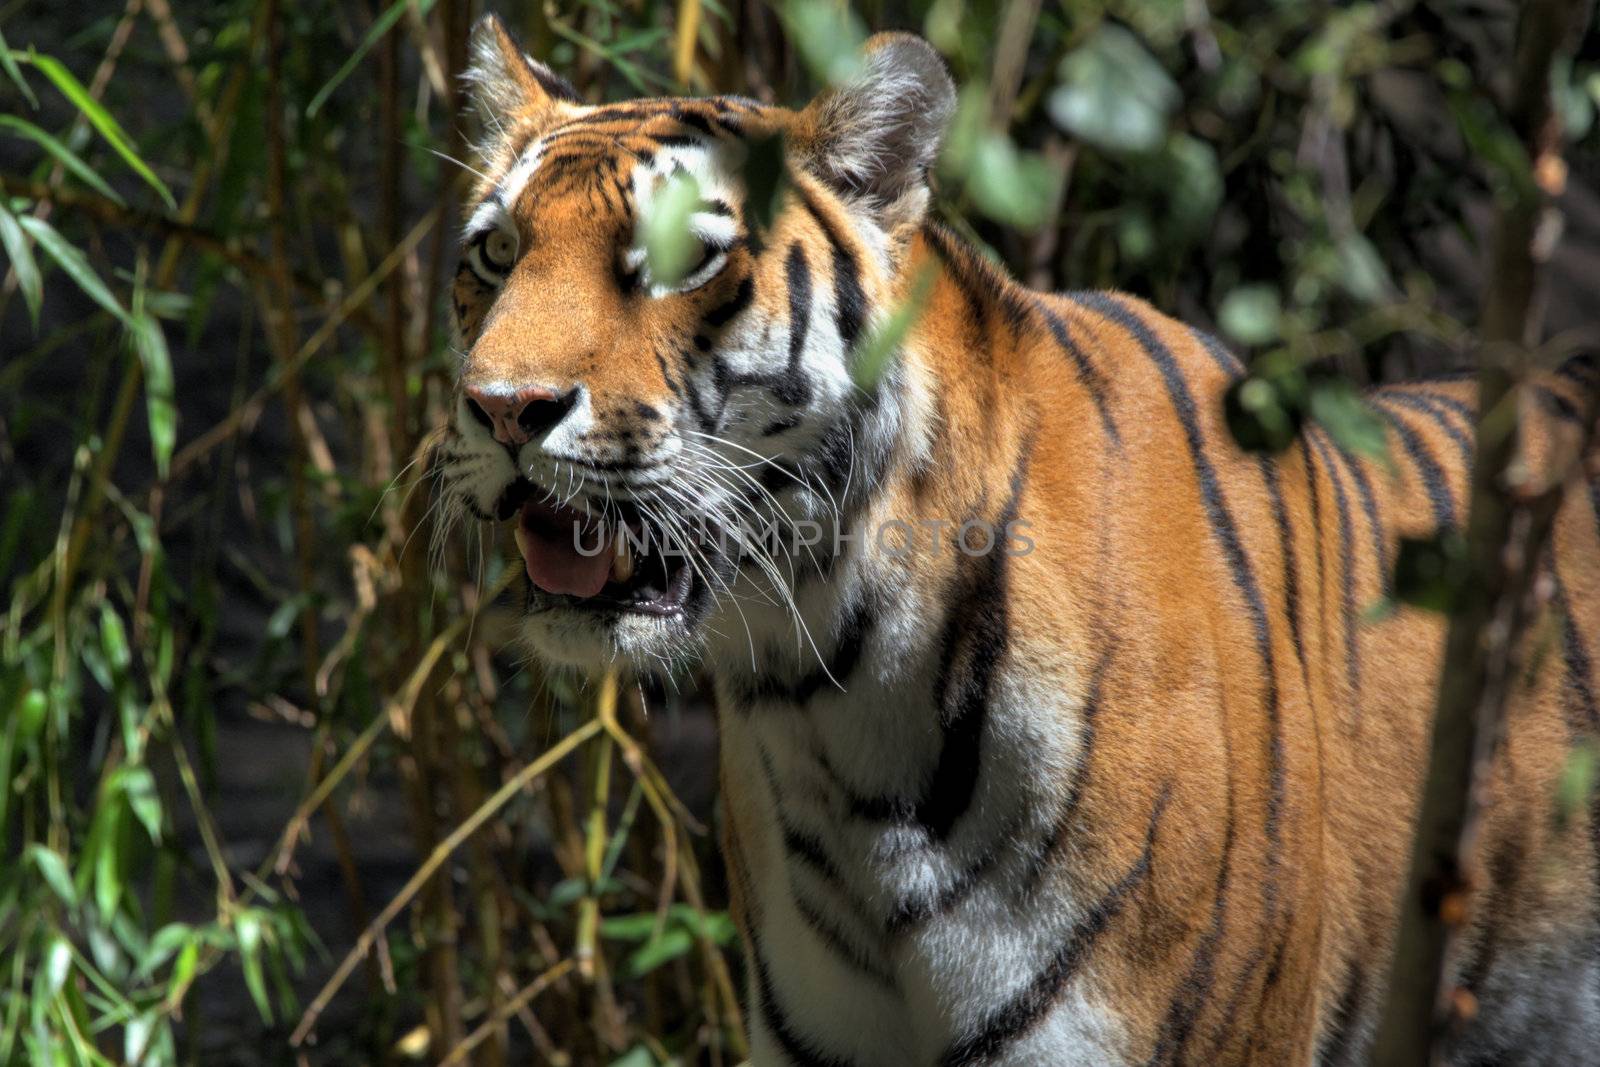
(625, 564)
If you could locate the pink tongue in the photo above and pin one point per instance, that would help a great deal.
(549, 546)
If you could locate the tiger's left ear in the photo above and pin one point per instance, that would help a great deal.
(506, 81)
(876, 137)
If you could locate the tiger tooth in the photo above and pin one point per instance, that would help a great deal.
(522, 539)
(622, 558)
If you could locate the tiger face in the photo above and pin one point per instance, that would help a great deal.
(651, 439)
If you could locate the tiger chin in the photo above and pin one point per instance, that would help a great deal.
(1063, 735)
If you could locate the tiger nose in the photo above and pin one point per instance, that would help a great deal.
(519, 417)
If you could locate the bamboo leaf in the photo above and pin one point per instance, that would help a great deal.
(57, 964)
(380, 26)
(248, 927)
(73, 261)
(22, 261)
(66, 156)
(668, 245)
(101, 119)
(53, 869)
(8, 63)
(150, 342)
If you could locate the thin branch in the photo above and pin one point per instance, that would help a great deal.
(1508, 530)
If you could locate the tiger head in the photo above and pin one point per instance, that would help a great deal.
(653, 439)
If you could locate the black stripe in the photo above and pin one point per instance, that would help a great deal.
(811, 852)
(1089, 375)
(1369, 505)
(719, 315)
(1557, 404)
(797, 1048)
(1224, 359)
(1429, 405)
(849, 302)
(795, 390)
(1585, 716)
(1341, 1043)
(1227, 535)
(1195, 987)
(984, 283)
(1432, 475)
(1316, 542)
(1347, 573)
(841, 946)
(1028, 1008)
(977, 319)
(913, 910)
(834, 672)
(1466, 411)
(1067, 814)
(1594, 500)
(978, 627)
(1180, 1019)
(1291, 565)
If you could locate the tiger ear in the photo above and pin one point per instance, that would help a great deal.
(504, 80)
(876, 136)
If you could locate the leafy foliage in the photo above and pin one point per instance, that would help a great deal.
(229, 229)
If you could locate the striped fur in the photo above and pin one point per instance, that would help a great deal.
(1138, 794)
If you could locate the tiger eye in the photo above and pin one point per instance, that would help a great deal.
(500, 249)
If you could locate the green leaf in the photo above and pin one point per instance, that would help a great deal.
(872, 355)
(31, 710)
(830, 38)
(114, 639)
(1186, 171)
(57, 964)
(108, 861)
(21, 256)
(166, 941)
(53, 869)
(673, 942)
(247, 925)
(1113, 94)
(637, 1056)
(101, 119)
(8, 63)
(1010, 185)
(1261, 414)
(184, 970)
(1337, 407)
(669, 247)
(150, 342)
(1361, 270)
(1250, 314)
(628, 927)
(139, 789)
(380, 26)
(66, 156)
(765, 177)
(1432, 572)
(1579, 777)
(136, 1037)
(71, 260)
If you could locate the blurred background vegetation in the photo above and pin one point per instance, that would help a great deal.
(244, 717)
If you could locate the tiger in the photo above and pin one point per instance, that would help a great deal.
(1054, 727)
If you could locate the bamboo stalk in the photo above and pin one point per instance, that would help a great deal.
(430, 867)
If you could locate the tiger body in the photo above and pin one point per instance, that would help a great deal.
(1068, 736)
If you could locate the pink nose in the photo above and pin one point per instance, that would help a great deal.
(516, 418)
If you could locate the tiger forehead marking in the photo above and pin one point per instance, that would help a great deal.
(1126, 784)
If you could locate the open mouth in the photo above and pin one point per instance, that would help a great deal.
(617, 566)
